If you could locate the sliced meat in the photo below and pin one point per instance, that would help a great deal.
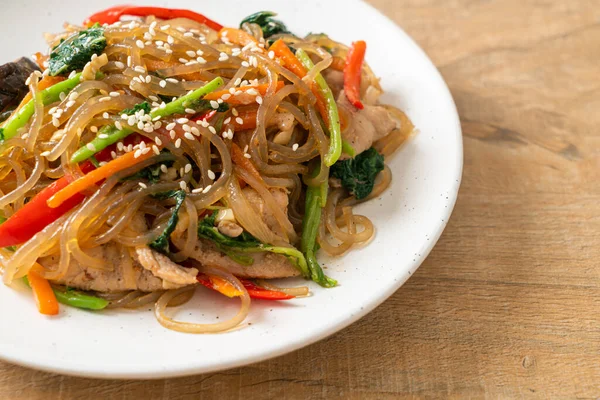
(12, 81)
(173, 275)
(265, 266)
(158, 272)
(335, 80)
(257, 202)
(366, 126)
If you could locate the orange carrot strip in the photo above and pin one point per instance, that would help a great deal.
(243, 98)
(43, 294)
(291, 62)
(237, 156)
(237, 36)
(224, 287)
(248, 119)
(40, 59)
(338, 64)
(92, 178)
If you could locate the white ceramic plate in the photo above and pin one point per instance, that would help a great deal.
(409, 217)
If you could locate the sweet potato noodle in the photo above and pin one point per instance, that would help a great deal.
(281, 131)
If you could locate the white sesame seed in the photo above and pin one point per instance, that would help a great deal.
(158, 141)
(94, 129)
(207, 189)
(245, 64)
(139, 44)
(211, 175)
(162, 84)
(91, 147)
(119, 65)
(239, 121)
(114, 94)
(247, 155)
(148, 79)
(105, 115)
(142, 184)
(73, 96)
(146, 150)
(139, 69)
(234, 112)
(197, 190)
(183, 60)
(271, 54)
(156, 118)
(226, 97)
(140, 125)
(190, 111)
(259, 99)
(113, 155)
(186, 128)
(212, 130)
(183, 185)
(172, 80)
(170, 126)
(120, 146)
(178, 143)
(162, 105)
(252, 92)
(245, 148)
(172, 134)
(62, 96)
(131, 120)
(214, 104)
(189, 136)
(182, 120)
(188, 34)
(220, 101)
(195, 131)
(118, 125)
(155, 149)
(103, 99)
(165, 27)
(188, 168)
(295, 146)
(70, 104)
(163, 168)
(52, 110)
(55, 122)
(103, 136)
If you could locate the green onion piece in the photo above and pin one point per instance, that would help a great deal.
(76, 299)
(348, 149)
(335, 130)
(175, 107)
(50, 95)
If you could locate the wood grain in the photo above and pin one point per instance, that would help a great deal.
(506, 306)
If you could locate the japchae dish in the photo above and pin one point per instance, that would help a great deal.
(152, 151)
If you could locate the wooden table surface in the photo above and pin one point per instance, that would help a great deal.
(505, 305)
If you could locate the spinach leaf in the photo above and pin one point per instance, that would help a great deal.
(358, 174)
(208, 230)
(161, 243)
(75, 51)
(140, 106)
(269, 25)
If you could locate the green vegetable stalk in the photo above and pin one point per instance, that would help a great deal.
(175, 107)
(335, 130)
(50, 95)
(76, 299)
(310, 229)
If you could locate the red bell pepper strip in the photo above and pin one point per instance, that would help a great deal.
(353, 73)
(36, 214)
(114, 14)
(255, 291)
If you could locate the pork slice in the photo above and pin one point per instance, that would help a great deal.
(147, 271)
(173, 275)
(265, 266)
(367, 125)
(257, 202)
